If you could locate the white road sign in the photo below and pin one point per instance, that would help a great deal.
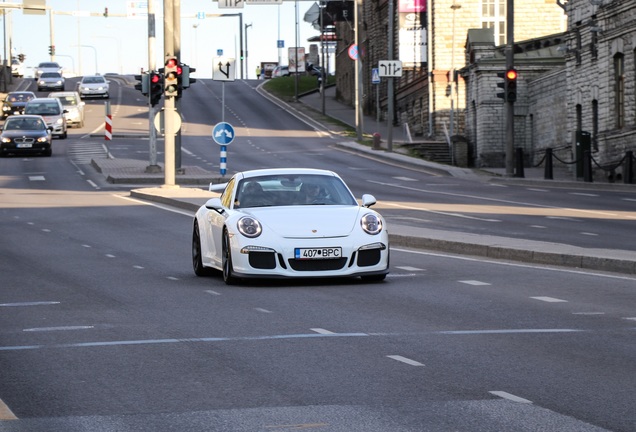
(390, 68)
(223, 69)
(231, 4)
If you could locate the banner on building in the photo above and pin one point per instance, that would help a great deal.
(412, 33)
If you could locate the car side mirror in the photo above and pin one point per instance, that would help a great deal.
(368, 200)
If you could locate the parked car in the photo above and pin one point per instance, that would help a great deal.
(15, 102)
(25, 134)
(73, 105)
(51, 80)
(280, 71)
(289, 222)
(93, 85)
(47, 67)
(52, 111)
(314, 70)
(17, 68)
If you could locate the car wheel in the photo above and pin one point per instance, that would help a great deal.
(197, 257)
(228, 277)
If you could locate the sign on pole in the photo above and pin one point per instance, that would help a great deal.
(375, 76)
(390, 68)
(223, 133)
(223, 69)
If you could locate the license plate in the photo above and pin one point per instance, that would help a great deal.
(318, 253)
(26, 145)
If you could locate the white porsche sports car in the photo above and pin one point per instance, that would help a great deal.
(289, 222)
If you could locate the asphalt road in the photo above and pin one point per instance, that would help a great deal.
(104, 327)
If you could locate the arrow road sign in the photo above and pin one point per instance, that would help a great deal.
(390, 68)
(223, 69)
(223, 133)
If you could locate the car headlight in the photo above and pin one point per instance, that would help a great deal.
(371, 224)
(249, 227)
(6, 140)
(41, 82)
(42, 139)
(6, 108)
(59, 121)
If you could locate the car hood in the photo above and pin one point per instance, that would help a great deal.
(310, 221)
(24, 133)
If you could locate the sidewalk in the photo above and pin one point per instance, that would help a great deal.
(494, 247)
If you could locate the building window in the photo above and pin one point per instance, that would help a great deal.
(493, 16)
(619, 90)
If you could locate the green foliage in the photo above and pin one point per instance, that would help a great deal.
(285, 87)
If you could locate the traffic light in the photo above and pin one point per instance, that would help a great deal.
(511, 85)
(156, 87)
(171, 76)
(21, 57)
(502, 85)
(105, 12)
(51, 49)
(143, 84)
(185, 76)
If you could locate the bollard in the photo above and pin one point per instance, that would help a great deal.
(376, 141)
(548, 175)
(587, 166)
(628, 170)
(519, 171)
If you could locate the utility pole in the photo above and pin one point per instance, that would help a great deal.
(169, 101)
(510, 106)
(152, 167)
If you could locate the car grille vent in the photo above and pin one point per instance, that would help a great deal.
(317, 264)
(369, 257)
(281, 261)
(262, 260)
(24, 140)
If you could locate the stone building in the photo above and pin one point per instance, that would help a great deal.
(426, 97)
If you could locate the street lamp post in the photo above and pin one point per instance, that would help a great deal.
(247, 69)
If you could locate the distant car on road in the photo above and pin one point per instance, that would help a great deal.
(289, 223)
(15, 102)
(93, 85)
(51, 80)
(25, 134)
(17, 68)
(52, 111)
(280, 71)
(47, 67)
(73, 105)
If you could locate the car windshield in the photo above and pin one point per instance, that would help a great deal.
(67, 100)
(292, 189)
(93, 80)
(20, 123)
(42, 109)
(19, 97)
(51, 75)
(49, 65)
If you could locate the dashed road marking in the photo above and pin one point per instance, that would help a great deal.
(510, 397)
(473, 282)
(405, 360)
(549, 299)
(408, 268)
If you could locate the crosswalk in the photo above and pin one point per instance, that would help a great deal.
(82, 152)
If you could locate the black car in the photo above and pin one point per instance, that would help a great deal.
(25, 134)
(15, 101)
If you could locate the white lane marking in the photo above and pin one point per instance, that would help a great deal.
(40, 303)
(473, 282)
(537, 190)
(36, 178)
(583, 194)
(538, 226)
(138, 267)
(513, 331)
(30, 223)
(42, 329)
(563, 218)
(212, 292)
(549, 299)
(629, 199)
(405, 178)
(110, 256)
(588, 313)
(5, 412)
(172, 278)
(46, 230)
(405, 360)
(509, 264)
(589, 234)
(86, 246)
(511, 397)
(321, 331)
(630, 318)
(408, 268)
(262, 310)
(163, 207)
(92, 183)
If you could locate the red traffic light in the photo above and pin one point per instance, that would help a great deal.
(511, 74)
(171, 63)
(154, 78)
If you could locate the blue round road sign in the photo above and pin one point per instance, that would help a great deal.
(223, 133)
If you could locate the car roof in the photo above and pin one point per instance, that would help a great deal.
(44, 100)
(49, 64)
(285, 171)
(24, 116)
(21, 92)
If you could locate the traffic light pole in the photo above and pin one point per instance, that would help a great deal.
(169, 101)
(152, 167)
(510, 106)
